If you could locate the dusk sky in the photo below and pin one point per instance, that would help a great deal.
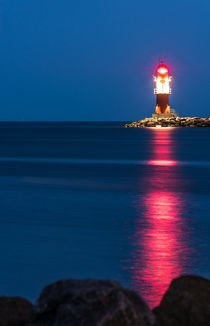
(94, 60)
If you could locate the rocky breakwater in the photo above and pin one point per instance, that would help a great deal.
(107, 303)
(190, 122)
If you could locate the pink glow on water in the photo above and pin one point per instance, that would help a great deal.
(163, 245)
(160, 241)
(162, 162)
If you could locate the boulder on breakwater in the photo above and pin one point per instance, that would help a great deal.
(185, 303)
(15, 311)
(90, 303)
(107, 303)
(176, 121)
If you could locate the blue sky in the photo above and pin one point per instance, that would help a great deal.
(94, 60)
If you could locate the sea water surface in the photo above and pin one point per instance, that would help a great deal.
(94, 200)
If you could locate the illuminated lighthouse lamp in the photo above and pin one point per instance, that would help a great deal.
(162, 89)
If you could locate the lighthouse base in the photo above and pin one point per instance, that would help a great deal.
(164, 115)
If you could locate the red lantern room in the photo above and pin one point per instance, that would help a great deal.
(162, 70)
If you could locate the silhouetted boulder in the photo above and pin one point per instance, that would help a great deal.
(15, 311)
(90, 303)
(186, 303)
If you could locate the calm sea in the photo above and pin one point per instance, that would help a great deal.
(94, 200)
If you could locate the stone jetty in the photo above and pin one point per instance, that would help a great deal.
(190, 122)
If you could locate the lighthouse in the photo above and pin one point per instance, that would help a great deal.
(162, 91)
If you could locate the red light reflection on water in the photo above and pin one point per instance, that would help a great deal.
(162, 162)
(160, 244)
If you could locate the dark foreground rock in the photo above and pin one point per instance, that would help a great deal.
(170, 122)
(106, 303)
(90, 303)
(186, 303)
(15, 311)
